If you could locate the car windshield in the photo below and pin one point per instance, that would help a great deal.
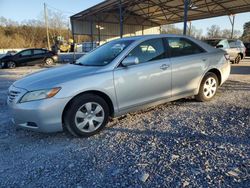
(212, 42)
(105, 54)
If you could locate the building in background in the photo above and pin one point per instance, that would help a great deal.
(112, 19)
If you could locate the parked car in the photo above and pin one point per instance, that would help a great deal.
(28, 57)
(121, 76)
(235, 48)
(247, 45)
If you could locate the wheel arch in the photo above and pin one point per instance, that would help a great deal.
(217, 73)
(241, 55)
(213, 70)
(94, 92)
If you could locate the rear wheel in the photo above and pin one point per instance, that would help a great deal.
(208, 88)
(49, 61)
(11, 64)
(86, 115)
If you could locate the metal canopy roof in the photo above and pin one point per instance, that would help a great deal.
(160, 12)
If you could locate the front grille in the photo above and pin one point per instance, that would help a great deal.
(12, 95)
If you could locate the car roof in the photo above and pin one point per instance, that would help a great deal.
(139, 37)
(216, 39)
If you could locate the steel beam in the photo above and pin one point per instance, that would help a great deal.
(186, 3)
(121, 18)
(91, 34)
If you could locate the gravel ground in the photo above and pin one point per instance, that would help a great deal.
(178, 144)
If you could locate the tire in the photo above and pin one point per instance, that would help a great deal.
(237, 59)
(49, 61)
(11, 65)
(208, 88)
(86, 115)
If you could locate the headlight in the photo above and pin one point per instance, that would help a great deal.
(39, 94)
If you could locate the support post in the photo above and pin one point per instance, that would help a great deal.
(74, 42)
(91, 34)
(121, 18)
(190, 28)
(99, 33)
(232, 23)
(46, 24)
(186, 3)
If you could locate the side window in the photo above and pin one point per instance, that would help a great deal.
(232, 44)
(149, 50)
(36, 52)
(182, 47)
(26, 53)
(224, 43)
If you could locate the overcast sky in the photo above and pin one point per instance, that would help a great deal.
(20, 10)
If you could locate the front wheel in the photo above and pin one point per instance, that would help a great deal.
(208, 88)
(86, 115)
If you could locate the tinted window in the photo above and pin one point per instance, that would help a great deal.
(104, 54)
(182, 47)
(26, 53)
(149, 50)
(39, 52)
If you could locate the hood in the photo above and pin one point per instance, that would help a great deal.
(5, 56)
(54, 77)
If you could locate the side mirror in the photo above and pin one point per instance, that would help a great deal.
(219, 46)
(130, 60)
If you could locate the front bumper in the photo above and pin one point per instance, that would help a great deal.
(42, 115)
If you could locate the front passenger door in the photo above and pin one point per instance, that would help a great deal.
(25, 57)
(148, 81)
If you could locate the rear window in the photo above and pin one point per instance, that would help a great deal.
(236, 44)
(182, 47)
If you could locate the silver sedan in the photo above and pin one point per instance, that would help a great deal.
(119, 77)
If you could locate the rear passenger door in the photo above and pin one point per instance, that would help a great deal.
(189, 62)
(39, 55)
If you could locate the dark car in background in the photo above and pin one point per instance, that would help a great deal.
(235, 48)
(247, 45)
(28, 57)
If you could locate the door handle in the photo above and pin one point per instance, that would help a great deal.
(164, 67)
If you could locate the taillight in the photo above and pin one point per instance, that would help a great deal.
(227, 56)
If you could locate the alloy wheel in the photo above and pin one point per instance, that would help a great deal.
(11, 65)
(89, 117)
(210, 87)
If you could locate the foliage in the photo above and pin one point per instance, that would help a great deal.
(246, 33)
(215, 32)
(191, 31)
(31, 33)
(171, 29)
